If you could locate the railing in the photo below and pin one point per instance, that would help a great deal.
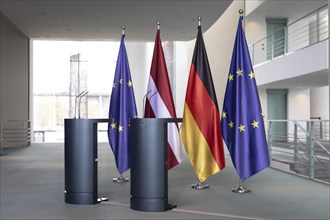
(14, 133)
(306, 31)
(301, 147)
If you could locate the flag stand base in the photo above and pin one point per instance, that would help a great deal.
(200, 185)
(101, 199)
(240, 189)
(120, 179)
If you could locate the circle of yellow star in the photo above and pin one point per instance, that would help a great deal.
(121, 81)
(231, 124)
(224, 114)
(239, 72)
(129, 83)
(231, 77)
(114, 85)
(113, 125)
(251, 75)
(121, 128)
(255, 124)
(241, 128)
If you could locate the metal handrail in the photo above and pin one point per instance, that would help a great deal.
(15, 133)
(303, 151)
(294, 38)
(306, 16)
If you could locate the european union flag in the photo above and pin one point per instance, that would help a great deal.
(242, 122)
(122, 108)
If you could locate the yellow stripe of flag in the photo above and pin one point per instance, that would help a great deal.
(200, 156)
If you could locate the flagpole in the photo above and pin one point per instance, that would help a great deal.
(199, 184)
(199, 20)
(123, 29)
(240, 188)
(241, 12)
(158, 25)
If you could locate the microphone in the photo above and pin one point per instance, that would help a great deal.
(153, 95)
(150, 98)
(85, 93)
(75, 103)
(144, 101)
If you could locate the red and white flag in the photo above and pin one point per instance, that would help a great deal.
(159, 102)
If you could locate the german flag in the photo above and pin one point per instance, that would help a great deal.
(201, 132)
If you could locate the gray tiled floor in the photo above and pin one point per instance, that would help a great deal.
(32, 185)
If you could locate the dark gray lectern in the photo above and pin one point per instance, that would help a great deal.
(149, 183)
(80, 160)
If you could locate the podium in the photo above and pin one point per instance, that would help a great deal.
(149, 178)
(80, 160)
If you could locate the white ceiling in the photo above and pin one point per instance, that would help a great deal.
(102, 19)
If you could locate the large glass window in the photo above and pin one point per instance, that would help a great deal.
(62, 70)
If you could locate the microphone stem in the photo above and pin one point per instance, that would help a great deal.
(83, 94)
(143, 102)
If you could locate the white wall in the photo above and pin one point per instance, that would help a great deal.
(263, 101)
(139, 57)
(255, 29)
(298, 107)
(14, 72)
(264, 107)
(319, 102)
(298, 104)
(183, 62)
(251, 5)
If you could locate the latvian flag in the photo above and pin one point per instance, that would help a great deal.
(159, 102)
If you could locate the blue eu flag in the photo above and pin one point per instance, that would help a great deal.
(122, 108)
(242, 122)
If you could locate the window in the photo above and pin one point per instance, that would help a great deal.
(63, 69)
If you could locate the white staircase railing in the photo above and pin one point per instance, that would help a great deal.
(304, 32)
(303, 146)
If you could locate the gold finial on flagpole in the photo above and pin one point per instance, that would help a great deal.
(158, 24)
(241, 12)
(123, 29)
(199, 20)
